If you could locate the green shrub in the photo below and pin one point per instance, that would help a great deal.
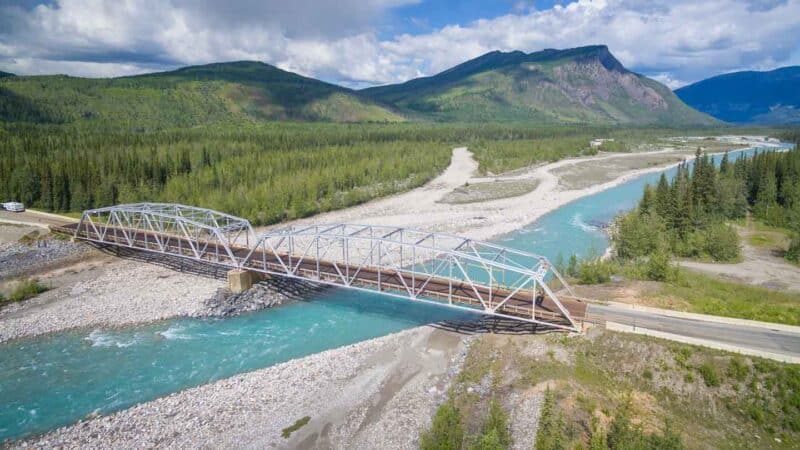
(495, 433)
(623, 434)
(721, 243)
(446, 431)
(572, 268)
(30, 238)
(552, 431)
(25, 290)
(682, 355)
(737, 369)
(709, 374)
(594, 271)
(659, 267)
(638, 234)
(793, 253)
(489, 441)
(299, 423)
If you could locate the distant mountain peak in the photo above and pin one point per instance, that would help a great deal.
(771, 97)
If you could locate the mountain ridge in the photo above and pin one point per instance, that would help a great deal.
(578, 85)
(758, 97)
(188, 96)
(583, 85)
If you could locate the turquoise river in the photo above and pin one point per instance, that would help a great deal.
(58, 379)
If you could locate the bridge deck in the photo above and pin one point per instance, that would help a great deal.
(520, 304)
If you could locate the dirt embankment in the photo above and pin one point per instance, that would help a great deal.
(762, 265)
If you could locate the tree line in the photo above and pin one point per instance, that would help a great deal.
(266, 172)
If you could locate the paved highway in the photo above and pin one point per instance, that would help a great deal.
(35, 218)
(764, 339)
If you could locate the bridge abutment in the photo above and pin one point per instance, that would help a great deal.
(241, 280)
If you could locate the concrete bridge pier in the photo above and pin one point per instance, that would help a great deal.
(240, 280)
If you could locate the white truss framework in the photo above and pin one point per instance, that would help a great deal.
(429, 267)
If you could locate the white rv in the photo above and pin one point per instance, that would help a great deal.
(14, 206)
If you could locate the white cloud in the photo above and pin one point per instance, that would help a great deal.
(667, 80)
(675, 41)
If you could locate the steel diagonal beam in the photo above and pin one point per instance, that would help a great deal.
(514, 292)
(189, 240)
(562, 280)
(155, 233)
(555, 300)
(363, 261)
(94, 226)
(360, 230)
(105, 227)
(425, 284)
(277, 255)
(304, 229)
(482, 262)
(122, 228)
(305, 252)
(329, 243)
(226, 247)
(331, 228)
(405, 285)
(470, 282)
(389, 234)
(430, 235)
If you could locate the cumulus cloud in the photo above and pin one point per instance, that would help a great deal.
(675, 41)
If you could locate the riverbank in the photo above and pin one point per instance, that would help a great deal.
(378, 393)
(103, 291)
(430, 207)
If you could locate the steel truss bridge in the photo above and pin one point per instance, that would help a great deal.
(428, 267)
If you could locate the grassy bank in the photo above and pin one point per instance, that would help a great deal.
(683, 290)
(707, 295)
(23, 290)
(609, 390)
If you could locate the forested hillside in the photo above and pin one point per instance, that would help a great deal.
(266, 172)
(226, 92)
(580, 85)
(748, 97)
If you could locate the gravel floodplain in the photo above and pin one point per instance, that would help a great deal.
(116, 293)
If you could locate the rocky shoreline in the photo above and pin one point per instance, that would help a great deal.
(18, 258)
(266, 294)
(106, 292)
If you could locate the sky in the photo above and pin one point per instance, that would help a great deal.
(360, 43)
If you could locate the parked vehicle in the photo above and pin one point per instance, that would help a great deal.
(14, 206)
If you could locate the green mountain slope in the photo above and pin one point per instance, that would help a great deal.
(186, 97)
(748, 97)
(5, 74)
(581, 85)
